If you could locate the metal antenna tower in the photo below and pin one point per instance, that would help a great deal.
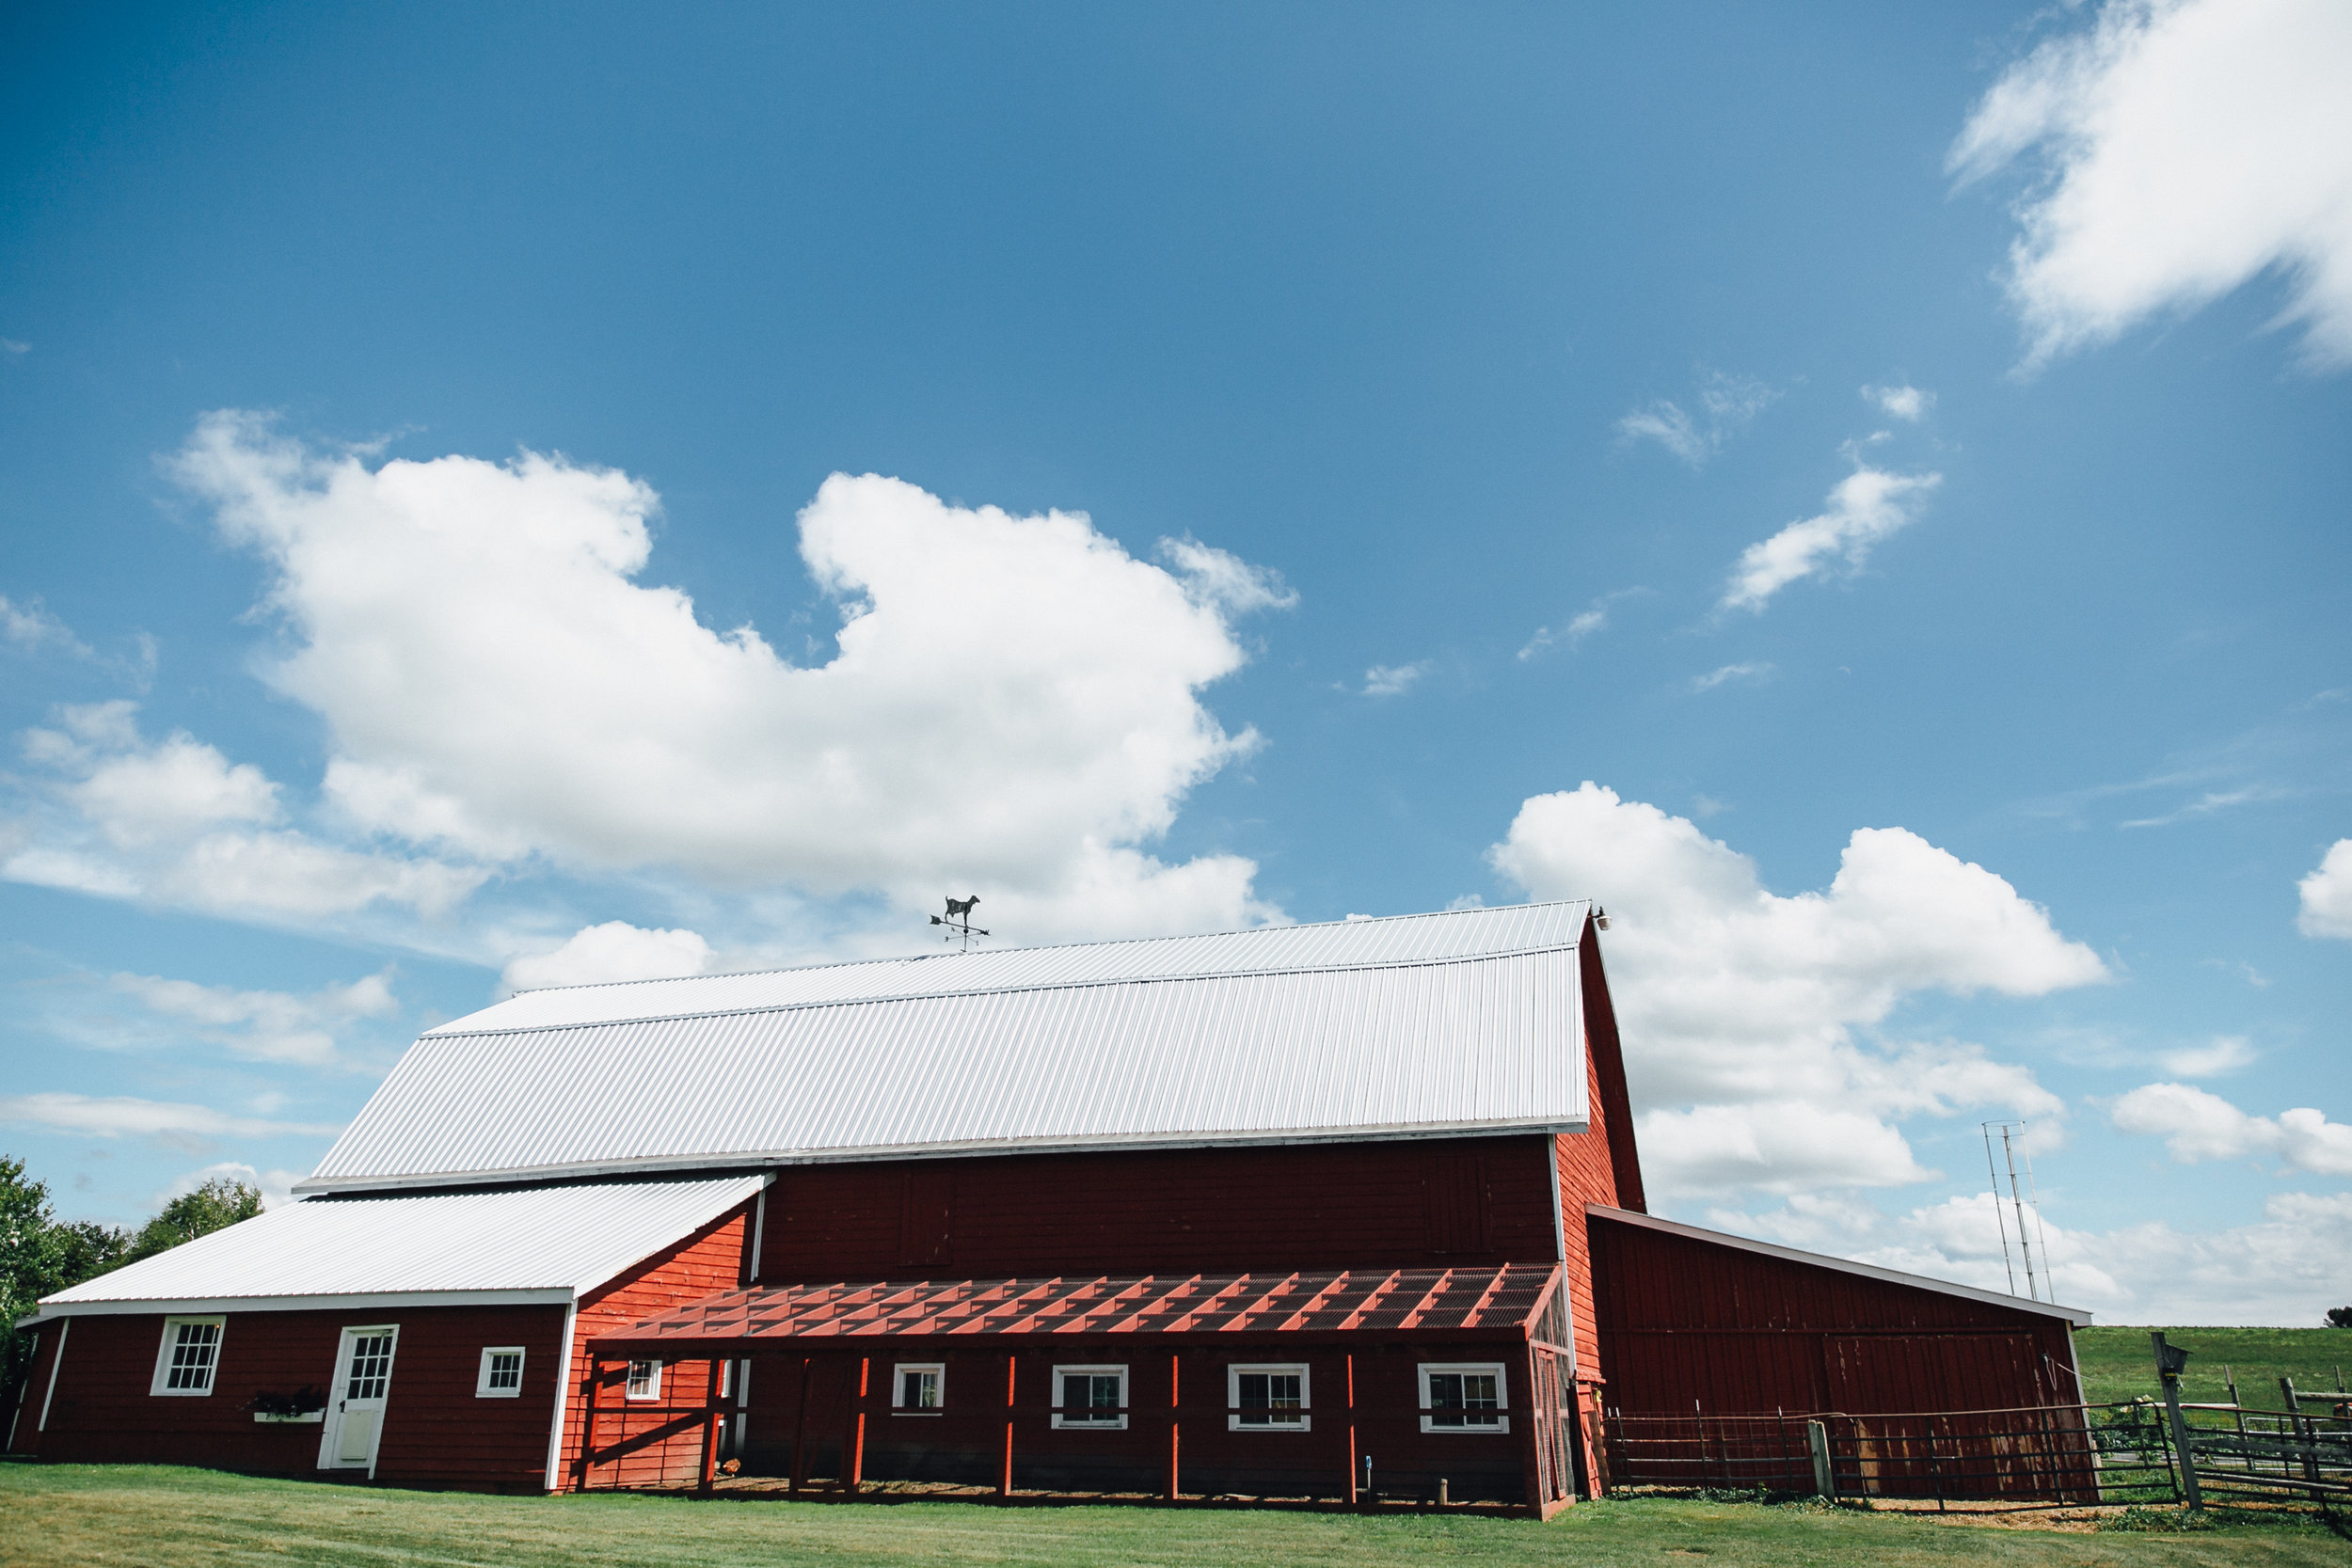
(2021, 1199)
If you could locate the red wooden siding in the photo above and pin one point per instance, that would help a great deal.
(1599, 1165)
(1688, 1324)
(1313, 1205)
(659, 1444)
(964, 1443)
(435, 1431)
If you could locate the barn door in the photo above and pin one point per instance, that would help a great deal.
(355, 1411)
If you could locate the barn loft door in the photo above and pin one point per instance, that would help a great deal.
(926, 1215)
(1454, 1187)
(355, 1411)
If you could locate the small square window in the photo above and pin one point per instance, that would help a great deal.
(917, 1388)
(1267, 1399)
(501, 1374)
(644, 1381)
(1090, 1397)
(190, 1355)
(1463, 1397)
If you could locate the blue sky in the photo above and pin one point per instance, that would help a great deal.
(1897, 457)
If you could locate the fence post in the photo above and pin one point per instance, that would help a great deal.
(2306, 1438)
(2169, 1360)
(1824, 1474)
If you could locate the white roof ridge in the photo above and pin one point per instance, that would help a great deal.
(446, 1032)
(1053, 946)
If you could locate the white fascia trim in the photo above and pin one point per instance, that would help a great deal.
(354, 1302)
(1580, 1121)
(563, 1400)
(2073, 1315)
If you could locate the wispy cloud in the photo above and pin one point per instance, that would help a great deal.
(120, 1116)
(2207, 805)
(1585, 623)
(30, 626)
(2223, 1054)
(10, 346)
(1725, 405)
(1391, 680)
(1715, 678)
(1867, 506)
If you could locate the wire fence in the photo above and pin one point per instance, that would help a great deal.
(2042, 1456)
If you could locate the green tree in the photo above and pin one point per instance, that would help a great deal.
(31, 1254)
(214, 1205)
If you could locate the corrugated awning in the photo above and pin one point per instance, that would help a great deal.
(1503, 1302)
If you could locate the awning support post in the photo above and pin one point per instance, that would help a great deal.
(1352, 1498)
(853, 1465)
(711, 1435)
(1175, 1374)
(1004, 1476)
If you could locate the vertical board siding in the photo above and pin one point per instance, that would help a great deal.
(1313, 1205)
(436, 1432)
(963, 1444)
(1688, 1325)
(659, 1444)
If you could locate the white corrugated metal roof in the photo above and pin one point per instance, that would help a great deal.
(1409, 938)
(1422, 1025)
(531, 1244)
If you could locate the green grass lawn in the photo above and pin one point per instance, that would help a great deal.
(2117, 1363)
(178, 1518)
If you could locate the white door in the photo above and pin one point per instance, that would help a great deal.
(355, 1412)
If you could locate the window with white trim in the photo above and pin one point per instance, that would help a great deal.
(1091, 1397)
(501, 1374)
(644, 1381)
(190, 1355)
(1463, 1397)
(917, 1388)
(1270, 1398)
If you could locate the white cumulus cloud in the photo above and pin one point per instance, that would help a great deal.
(615, 950)
(1013, 704)
(2326, 895)
(175, 822)
(2197, 1126)
(1745, 1012)
(1867, 506)
(2190, 147)
(2284, 1268)
(1908, 403)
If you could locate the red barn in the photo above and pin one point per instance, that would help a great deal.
(1283, 1212)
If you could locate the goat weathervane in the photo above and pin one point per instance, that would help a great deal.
(959, 921)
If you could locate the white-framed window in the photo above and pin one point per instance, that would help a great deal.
(917, 1388)
(190, 1355)
(1463, 1396)
(644, 1381)
(501, 1374)
(1090, 1398)
(1270, 1398)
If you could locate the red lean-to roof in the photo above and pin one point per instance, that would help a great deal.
(1387, 1304)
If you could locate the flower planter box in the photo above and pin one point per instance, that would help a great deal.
(311, 1416)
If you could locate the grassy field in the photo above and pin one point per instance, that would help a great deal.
(175, 1518)
(2117, 1363)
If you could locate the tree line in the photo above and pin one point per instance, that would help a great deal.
(40, 1255)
